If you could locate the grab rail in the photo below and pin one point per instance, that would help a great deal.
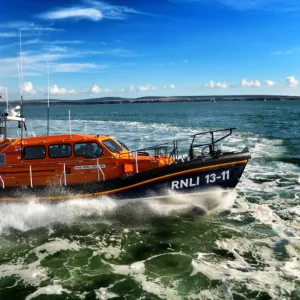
(63, 174)
(136, 162)
(3, 185)
(30, 172)
(100, 169)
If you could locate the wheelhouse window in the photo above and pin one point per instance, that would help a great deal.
(123, 145)
(2, 159)
(88, 150)
(34, 152)
(59, 150)
(112, 146)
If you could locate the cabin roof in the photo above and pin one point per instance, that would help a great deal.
(62, 138)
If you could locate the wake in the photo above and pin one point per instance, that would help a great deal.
(34, 214)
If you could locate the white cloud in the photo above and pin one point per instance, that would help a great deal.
(74, 12)
(219, 85)
(171, 86)
(108, 90)
(55, 90)
(27, 28)
(252, 83)
(144, 88)
(59, 42)
(8, 34)
(292, 81)
(113, 52)
(287, 52)
(110, 11)
(74, 67)
(56, 49)
(96, 12)
(28, 88)
(40, 41)
(96, 89)
(36, 64)
(266, 5)
(270, 83)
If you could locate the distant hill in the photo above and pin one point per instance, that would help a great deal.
(157, 99)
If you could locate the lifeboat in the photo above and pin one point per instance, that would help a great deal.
(63, 167)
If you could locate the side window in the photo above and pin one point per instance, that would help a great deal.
(59, 150)
(34, 152)
(2, 159)
(88, 150)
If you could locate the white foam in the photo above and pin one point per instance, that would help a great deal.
(34, 214)
(148, 284)
(104, 294)
(48, 290)
(270, 279)
(54, 246)
(33, 273)
(209, 201)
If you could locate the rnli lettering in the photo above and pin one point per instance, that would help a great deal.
(185, 183)
(88, 167)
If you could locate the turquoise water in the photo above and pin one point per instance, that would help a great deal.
(247, 247)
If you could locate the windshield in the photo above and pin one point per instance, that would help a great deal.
(123, 145)
(112, 146)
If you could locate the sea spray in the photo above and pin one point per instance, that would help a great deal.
(34, 214)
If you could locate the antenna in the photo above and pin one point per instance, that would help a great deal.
(48, 107)
(21, 82)
(70, 124)
(6, 98)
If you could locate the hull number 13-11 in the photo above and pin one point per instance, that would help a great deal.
(211, 178)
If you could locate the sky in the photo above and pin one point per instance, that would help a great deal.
(138, 48)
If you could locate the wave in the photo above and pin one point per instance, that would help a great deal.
(34, 214)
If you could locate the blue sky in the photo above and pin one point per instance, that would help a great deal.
(140, 48)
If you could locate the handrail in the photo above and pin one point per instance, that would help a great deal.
(8, 144)
(54, 163)
(100, 169)
(63, 173)
(3, 185)
(136, 162)
(30, 172)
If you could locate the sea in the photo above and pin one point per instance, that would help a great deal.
(245, 243)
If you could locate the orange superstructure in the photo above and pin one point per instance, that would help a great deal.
(69, 159)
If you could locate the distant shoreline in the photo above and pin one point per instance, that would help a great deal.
(156, 99)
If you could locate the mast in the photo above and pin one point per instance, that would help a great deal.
(21, 84)
(48, 106)
(6, 98)
(70, 124)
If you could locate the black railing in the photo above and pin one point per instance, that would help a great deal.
(162, 149)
